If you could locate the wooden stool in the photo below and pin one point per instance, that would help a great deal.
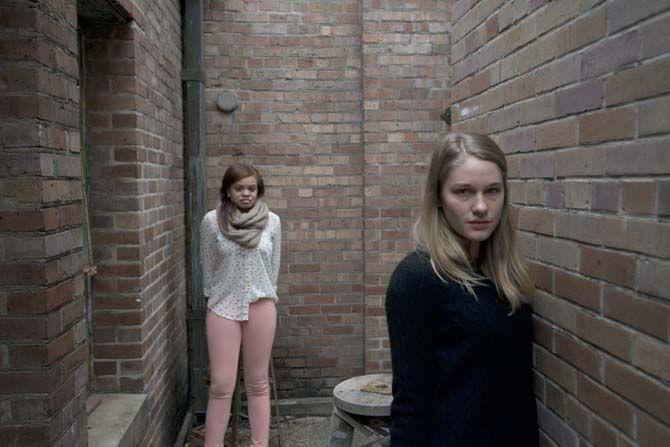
(361, 403)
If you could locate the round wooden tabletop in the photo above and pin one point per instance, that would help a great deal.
(350, 397)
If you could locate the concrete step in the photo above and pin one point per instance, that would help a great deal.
(118, 420)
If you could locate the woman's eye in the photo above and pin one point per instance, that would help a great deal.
(493, 190)
(462, 192)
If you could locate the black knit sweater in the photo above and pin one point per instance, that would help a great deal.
(462, 368)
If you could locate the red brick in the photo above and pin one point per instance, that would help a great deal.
(28, 382)
(577, 353)
(639, 197)
(118, 318)
(583, 97)
(555, 399)
(554, 15)
(602, 433)
(652, 357)
(651, 432)
(27, 356)
(607, 404)
(587, 29)
(543, 333)
(538, 165)
(605, 334)
(543, 276)
(637, 83)
(655, 40)
(556, 134)
(639, 389)
(40, 301)
(25, 435)
(620, 15)
(29, 409)
(654, 277)
(577, 194)
(18, 17)
(608, 125)
(118, 351)
(610, 55)
(611, 266)
(559, 252)
(650, 238)
(537, 109)
(583, 161)
(73, 311)
(577, 416)
(28, 274)
(643, 314)
(556, 310)
(76, 358)
(25, 220)
(577, 289)
(25, 49)
(592, 229)
(556, 74)
(605, 196)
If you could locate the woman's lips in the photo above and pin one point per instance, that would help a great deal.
(479, 224)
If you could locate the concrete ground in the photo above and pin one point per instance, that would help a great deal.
(293, 431)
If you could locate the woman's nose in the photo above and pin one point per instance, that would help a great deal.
(480, 206)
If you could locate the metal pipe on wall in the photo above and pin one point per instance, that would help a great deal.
(193, 82)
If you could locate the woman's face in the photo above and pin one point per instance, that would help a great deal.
(473, 198)
(244, 193)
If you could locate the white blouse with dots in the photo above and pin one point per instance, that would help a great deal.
(235, 276)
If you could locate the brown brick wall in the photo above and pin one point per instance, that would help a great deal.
(340, 105)
(134, 117)
(338, 101)
(43, 336)
(135, 166)
(296, 67)
(406, 89)
(158, 50)
(577, 93)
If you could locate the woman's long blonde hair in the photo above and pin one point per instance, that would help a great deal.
(448, 250)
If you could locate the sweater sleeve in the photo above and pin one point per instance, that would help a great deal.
(408, 314)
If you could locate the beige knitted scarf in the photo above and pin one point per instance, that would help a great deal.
(244, 228)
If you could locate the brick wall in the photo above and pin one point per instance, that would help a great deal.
(158, 52)
(576, 92)
(296, 67)
(135, 171)
(135, 159)
(406, 89)
(43, 336)
(338, 101)
(340, 105)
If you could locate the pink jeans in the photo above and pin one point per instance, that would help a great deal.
(223, 341)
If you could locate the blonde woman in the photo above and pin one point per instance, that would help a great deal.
(240, 246)
(458, 318)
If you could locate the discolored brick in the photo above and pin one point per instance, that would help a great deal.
(618, 268)
(637, 83)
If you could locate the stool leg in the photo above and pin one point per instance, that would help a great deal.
(341, 433)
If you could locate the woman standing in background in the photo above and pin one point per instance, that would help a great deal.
(240, 254)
